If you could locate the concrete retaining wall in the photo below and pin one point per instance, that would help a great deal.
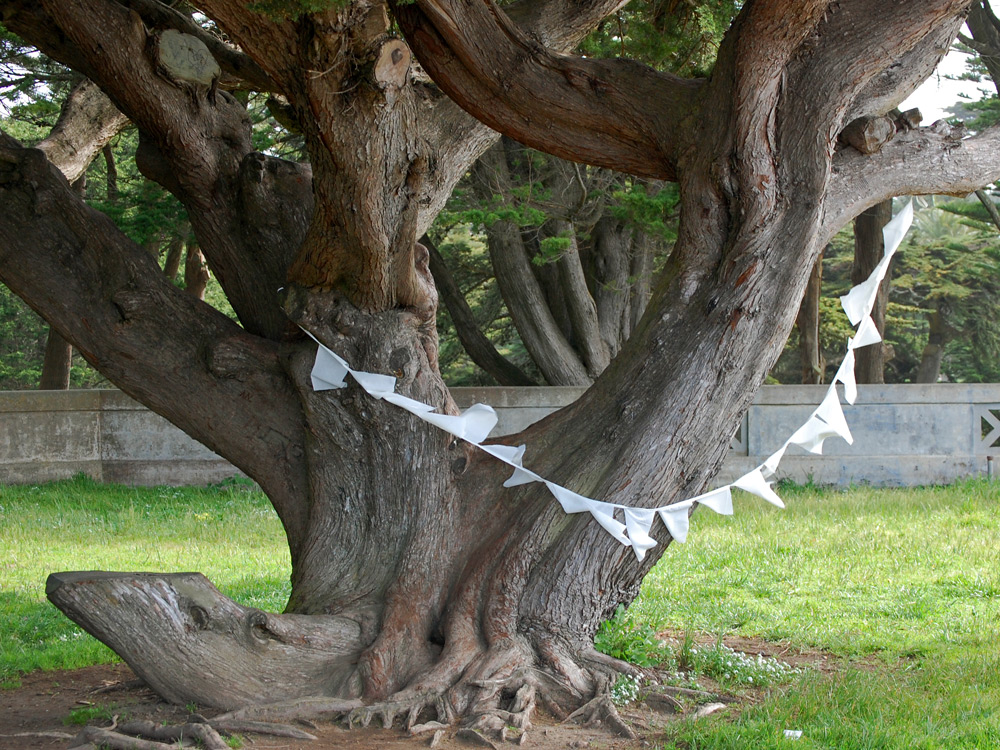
(904, 435)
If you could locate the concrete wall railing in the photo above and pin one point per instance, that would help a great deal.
(904, 435)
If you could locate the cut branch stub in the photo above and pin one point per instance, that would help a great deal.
(188, 642)
(392, 64)
(869, 134)
(186, 58)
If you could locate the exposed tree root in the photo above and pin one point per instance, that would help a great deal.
(235, 726)
(329, 709)
(148, 735)
(601, 711)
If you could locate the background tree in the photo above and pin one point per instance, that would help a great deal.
(418, 581)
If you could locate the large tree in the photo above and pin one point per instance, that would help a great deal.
(417, 579)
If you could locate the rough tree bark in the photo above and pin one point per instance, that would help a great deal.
(87, 122)
(869, 247)
(455, 595)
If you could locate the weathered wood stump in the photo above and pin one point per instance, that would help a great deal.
(188, 642)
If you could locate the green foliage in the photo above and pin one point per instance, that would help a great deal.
(681, 38)
(649, 207)
(635, 642)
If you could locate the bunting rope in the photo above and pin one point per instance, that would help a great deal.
(475, 423)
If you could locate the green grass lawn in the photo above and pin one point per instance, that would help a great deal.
(901, 588)
(902, 585)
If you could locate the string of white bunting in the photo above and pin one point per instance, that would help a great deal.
(475, 423)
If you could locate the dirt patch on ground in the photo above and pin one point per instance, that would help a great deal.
(33, 716)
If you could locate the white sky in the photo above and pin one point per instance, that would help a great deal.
(938, 93)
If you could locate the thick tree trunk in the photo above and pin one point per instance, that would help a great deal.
(810, 350)
(57, 363)
(930, 359)
(418, 581)
(869, 247)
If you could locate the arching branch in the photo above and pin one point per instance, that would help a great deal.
(921, 162)
(608, 113)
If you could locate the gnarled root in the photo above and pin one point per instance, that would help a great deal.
(601, 711)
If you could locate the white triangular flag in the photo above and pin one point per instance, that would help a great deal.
(506, 453)
(770, 466)
(410, 404)
(896, 229)
(513, 457)
(603, 513)
(720, 500)
(374, 384)
(522, 476)
(831, 412)
(473, 425)
(675, 518)
(570, 501)
(755, 484)
(638, 522)
(858, 302)
(845, 374)
(867, 334)
(329, 370)
(812, 434)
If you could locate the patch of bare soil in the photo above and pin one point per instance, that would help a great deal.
(33, 716)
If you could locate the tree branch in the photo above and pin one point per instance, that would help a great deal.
(610, 113)
(192, 142)
(87, 122)
(479, 348)
(107, 296)
(923, 161)
(457, 137)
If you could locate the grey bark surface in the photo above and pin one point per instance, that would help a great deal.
(869, 248)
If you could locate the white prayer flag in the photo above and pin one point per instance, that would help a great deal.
(755, 484)
(570, 501)
(603, 513)
(831, 412)
(375, 385)
(329, 370)
(845, 375)
(522, 476)
(472, 425)
(638, 522)
(858, 302)
(896, 229)
(770, 466)
(410, 404)
(812, 434)
(675, 518)
(720, 500)
(867, 334)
